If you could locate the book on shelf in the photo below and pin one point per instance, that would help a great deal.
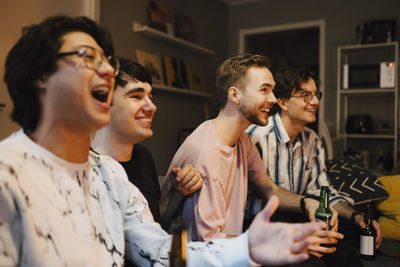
(195, 77)
(175, 72)
(160, 17)
(152, 63)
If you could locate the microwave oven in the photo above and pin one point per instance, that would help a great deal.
(380, 75)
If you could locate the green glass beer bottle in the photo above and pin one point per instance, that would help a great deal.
(324, 213)
(177, 255)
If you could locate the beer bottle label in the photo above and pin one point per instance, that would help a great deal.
(367, 245)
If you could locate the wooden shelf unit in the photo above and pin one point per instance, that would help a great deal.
(177, 90)
(146, 30)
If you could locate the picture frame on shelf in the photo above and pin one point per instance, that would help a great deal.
(184, 28)
(160, 17)
(175, 72)
(152, 63)
(195, 77)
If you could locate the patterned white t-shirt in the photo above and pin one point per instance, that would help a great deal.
(57, 213)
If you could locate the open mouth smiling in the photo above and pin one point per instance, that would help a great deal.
(101, 94)
(144, 121)
(265, 110)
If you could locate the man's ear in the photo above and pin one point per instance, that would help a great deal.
(233, 94)
(283, 103)
(41, 83)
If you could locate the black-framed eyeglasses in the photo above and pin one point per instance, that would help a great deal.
(308, 97)
(93, 58)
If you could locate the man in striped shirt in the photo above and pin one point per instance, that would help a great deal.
(291, 152)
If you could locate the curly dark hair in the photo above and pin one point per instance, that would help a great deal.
(288, 82)
(34, 56)
(234, 68)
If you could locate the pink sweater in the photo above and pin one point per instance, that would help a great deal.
(218, 208)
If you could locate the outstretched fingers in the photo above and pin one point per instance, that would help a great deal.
(302, 230)
(301, 245)
(321, 250)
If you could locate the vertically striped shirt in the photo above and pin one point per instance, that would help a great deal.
(298, 166)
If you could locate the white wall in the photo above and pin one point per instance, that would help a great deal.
(14, 14)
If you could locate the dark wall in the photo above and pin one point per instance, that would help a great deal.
(290, 48)
(217, 27)
(341, 18)
(175, 111)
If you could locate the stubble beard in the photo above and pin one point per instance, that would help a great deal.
(252, 117)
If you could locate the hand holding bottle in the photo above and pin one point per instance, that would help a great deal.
(323, 242)
(334, 221)
(360, 221)
(320, 209)
(367, 237)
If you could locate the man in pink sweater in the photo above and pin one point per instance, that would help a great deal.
(225, 156)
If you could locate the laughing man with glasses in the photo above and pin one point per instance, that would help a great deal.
(62, 204)
(294, 159)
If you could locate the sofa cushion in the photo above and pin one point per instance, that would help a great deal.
(390, 207)
(390, 247)
(350, 178)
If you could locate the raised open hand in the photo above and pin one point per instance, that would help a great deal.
(286, 243)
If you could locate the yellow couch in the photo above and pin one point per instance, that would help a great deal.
(390, 221)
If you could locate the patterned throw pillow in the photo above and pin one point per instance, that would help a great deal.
(350, 178)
